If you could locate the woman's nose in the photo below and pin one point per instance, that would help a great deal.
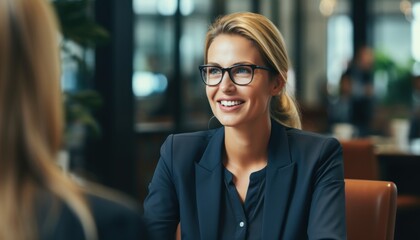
(226, 84)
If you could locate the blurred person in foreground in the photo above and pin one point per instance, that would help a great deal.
(258, 176)
(37, 200)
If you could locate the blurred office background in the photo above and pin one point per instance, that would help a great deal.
(146, 73)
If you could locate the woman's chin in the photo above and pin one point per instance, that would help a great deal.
(228, 122)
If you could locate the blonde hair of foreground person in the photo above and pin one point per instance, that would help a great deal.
(31, 120)
(267, 38)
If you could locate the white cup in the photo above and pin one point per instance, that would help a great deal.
(415, 146)
(343, 131)
(399, 133)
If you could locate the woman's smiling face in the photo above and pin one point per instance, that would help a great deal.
(235, 105)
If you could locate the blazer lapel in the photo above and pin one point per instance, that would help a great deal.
(279, 180)
(209, 186)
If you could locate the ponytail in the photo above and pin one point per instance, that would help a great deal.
(284, 109)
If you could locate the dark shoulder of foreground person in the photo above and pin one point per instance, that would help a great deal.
(117, 215)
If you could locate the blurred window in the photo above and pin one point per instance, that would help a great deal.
(340, 47)
(392, 29)
(392, 41)
(415, 28)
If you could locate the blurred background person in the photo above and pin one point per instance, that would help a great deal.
(38, 201)
(414, 131)
(339, 110)
(362, 90)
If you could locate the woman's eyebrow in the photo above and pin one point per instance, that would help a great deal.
(235, 64)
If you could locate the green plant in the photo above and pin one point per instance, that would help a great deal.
(78, 29)
(79, 106)
(399, 79)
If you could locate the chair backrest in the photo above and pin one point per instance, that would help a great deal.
(360, 161)
(370, 209)
(178, 232)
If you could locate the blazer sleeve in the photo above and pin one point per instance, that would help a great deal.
(327, 218)
(161, 208)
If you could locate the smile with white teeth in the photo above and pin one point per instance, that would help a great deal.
(230, 103)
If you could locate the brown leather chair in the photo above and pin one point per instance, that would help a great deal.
(360, 161)
(370, 209)
(178, 232)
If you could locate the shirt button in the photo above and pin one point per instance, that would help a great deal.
(241, 224)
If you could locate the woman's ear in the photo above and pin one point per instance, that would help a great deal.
(278, 85)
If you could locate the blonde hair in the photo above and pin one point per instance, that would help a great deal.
(267, 38)
(31, 120)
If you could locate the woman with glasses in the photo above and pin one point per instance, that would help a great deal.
(258, 176)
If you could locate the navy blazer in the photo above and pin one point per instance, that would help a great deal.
(304, 195)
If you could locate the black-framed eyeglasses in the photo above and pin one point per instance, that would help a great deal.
(241, 74)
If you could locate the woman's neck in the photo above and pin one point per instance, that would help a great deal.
(247, 147)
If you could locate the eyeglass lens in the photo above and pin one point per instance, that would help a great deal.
(242, 75)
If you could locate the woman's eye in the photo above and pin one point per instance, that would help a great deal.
(242, 70)
(214, 71)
